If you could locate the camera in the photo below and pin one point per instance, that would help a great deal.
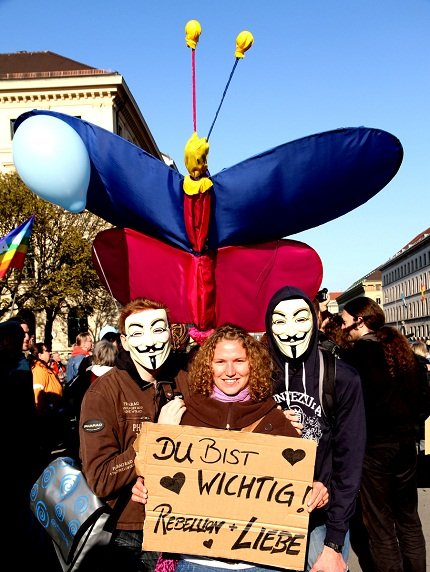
(322, 295)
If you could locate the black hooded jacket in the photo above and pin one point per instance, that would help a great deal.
(340, 449)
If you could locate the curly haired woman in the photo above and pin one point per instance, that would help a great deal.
(230, 388)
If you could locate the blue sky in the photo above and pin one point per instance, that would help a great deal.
(315, 66)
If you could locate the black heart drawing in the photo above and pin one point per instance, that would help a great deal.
(174, 483)
(293, 456)
(208, 543)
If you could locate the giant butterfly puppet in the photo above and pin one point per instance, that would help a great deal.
(210, 246)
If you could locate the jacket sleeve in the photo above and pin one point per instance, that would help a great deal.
(39, 383)
(348, 446)
(107, 456)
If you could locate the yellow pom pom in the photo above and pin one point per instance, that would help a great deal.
(192, 33)
(196, 155)
(243, 42)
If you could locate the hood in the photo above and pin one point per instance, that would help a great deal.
(79, 351)
(309, 361)
(99, 370)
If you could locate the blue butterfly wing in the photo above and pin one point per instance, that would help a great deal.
(128, 186)
(290, 188)
(301, 184)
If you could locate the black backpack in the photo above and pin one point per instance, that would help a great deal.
(327, 390)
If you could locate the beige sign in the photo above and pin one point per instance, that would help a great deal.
(226, 494)
(427, 436)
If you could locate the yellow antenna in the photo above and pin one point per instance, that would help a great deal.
(243, 42)
(192, 36)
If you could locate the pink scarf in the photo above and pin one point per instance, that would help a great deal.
(221, 396)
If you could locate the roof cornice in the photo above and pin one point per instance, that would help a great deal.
(51, 96)
(54, 74)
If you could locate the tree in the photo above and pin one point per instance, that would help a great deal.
(58, 274)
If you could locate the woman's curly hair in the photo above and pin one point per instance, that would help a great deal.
(260, 363)
(334, 332)
(397, 350)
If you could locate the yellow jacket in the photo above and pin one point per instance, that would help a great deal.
(44, 382)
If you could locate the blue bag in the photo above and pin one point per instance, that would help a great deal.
(74, 517)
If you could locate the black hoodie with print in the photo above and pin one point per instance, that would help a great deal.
(340, 450)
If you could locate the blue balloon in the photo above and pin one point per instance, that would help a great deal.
(53, 162)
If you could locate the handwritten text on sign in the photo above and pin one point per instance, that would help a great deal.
(226, 494)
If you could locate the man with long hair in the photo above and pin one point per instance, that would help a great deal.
(391, 380)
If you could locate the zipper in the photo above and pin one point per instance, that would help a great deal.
(227, 425)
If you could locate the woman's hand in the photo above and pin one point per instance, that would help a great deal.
(319, 496)
(139, 491)
(171, 413)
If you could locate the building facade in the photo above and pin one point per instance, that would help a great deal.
(49, 81)
(401, 286)
(45, 80)
(406, 288)
(370, 286)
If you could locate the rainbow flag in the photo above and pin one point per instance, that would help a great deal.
(14, 246)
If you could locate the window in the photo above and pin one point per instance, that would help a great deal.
(77, 322)
(11, 126)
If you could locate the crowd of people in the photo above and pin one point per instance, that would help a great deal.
(58, 386)
(364, 489)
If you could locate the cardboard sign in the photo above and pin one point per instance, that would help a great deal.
(226, 494)
(427, 436)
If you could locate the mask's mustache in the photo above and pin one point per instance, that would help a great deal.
(148, 349)
(154, 348)
(291, 339)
